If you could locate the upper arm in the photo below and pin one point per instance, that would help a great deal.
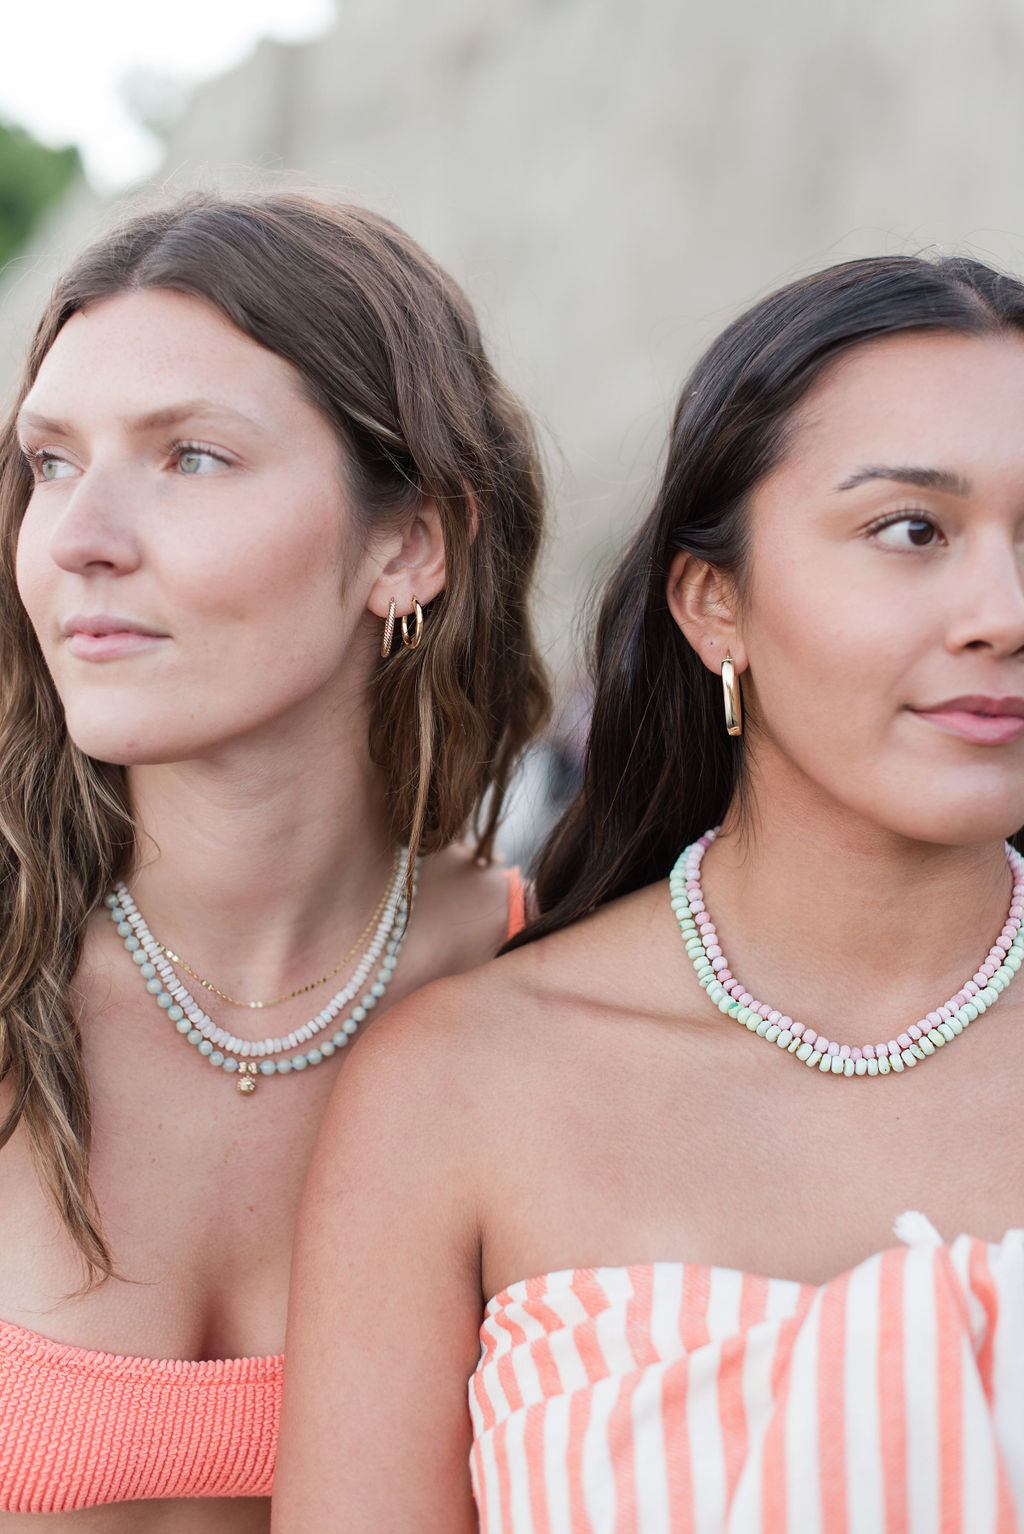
(383, 1327)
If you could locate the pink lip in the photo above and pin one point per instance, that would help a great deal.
(102, 637)
(982, 721)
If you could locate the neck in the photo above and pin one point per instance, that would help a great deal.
(262, 865)
(845, 925)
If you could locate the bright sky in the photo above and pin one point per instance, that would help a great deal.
(64, 64)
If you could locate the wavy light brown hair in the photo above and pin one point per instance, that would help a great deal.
(387, 346)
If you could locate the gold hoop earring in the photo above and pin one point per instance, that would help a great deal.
(411, 644)
(733, 698)
(389, 630)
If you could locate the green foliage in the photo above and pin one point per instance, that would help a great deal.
(31, 177)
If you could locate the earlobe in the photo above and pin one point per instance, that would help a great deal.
(413, 565)
(701, 599)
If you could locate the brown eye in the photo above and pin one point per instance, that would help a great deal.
(905, 533)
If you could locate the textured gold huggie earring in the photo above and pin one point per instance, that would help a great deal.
(412, 643)
(389, 629)
(733, 700)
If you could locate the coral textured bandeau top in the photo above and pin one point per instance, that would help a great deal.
(80, 1429)
(682, 1399)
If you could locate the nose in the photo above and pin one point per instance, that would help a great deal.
(93, 532)
(988, 612)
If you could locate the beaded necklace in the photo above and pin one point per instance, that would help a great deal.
(238, 1056)
(919, 1041)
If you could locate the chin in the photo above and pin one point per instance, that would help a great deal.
(962, 825)
(131, 753)
(133, 742)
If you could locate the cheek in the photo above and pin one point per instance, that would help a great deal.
(34, 571)
(262, 553)
(278, 589)
(828, 659)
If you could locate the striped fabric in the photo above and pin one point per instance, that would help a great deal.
(675, 1397)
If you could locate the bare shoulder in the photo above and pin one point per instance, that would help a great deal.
(444, 1089)
(458, 878)
(464, 908)
(516, 1016)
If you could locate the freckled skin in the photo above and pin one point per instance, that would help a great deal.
(264, 840)
(282, 632)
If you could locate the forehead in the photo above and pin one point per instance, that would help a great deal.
(139, 348)
(947, 401)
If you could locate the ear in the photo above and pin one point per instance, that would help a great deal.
(702, 601)
(412, 564)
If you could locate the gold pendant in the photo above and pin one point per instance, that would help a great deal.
(246, 1077)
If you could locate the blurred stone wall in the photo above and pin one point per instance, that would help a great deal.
(611, 182)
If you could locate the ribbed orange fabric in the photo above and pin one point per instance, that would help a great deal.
(78, 1428)
(516, 903)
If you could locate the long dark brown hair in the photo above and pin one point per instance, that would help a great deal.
(387, 346)
(659, 768)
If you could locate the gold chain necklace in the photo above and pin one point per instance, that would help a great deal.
(208, 985)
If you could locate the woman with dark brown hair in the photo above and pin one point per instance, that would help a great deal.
(268, 520)
(607, 1234)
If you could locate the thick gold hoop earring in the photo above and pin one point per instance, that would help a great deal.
(389, 629)
(411, 644)
(733, 700)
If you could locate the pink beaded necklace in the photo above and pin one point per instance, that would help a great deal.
(919, 1041)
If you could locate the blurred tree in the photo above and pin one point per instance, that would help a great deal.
(31, 177)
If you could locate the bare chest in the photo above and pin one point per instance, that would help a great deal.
(215, 1515)
(707, 1146)
(197, 1188)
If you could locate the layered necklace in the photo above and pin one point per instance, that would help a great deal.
(248, 1059)
(813, 1049)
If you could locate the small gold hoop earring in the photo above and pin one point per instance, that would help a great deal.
(733, 699)
(389, 629)
(411, 644)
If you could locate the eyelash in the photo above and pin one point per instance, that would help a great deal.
(178, 449)
(909, 514)
(36, 457)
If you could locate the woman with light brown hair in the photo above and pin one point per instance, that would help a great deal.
(268, 519)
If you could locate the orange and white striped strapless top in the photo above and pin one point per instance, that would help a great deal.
(675, 1397)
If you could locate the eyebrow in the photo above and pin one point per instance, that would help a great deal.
(154, 420)
(909, 474)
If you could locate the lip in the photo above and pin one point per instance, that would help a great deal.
(102, 636)
(982, 720)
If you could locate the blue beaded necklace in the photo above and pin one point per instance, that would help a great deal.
(247, 1060)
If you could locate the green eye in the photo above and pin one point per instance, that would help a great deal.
(191, 460)
(53, 468)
